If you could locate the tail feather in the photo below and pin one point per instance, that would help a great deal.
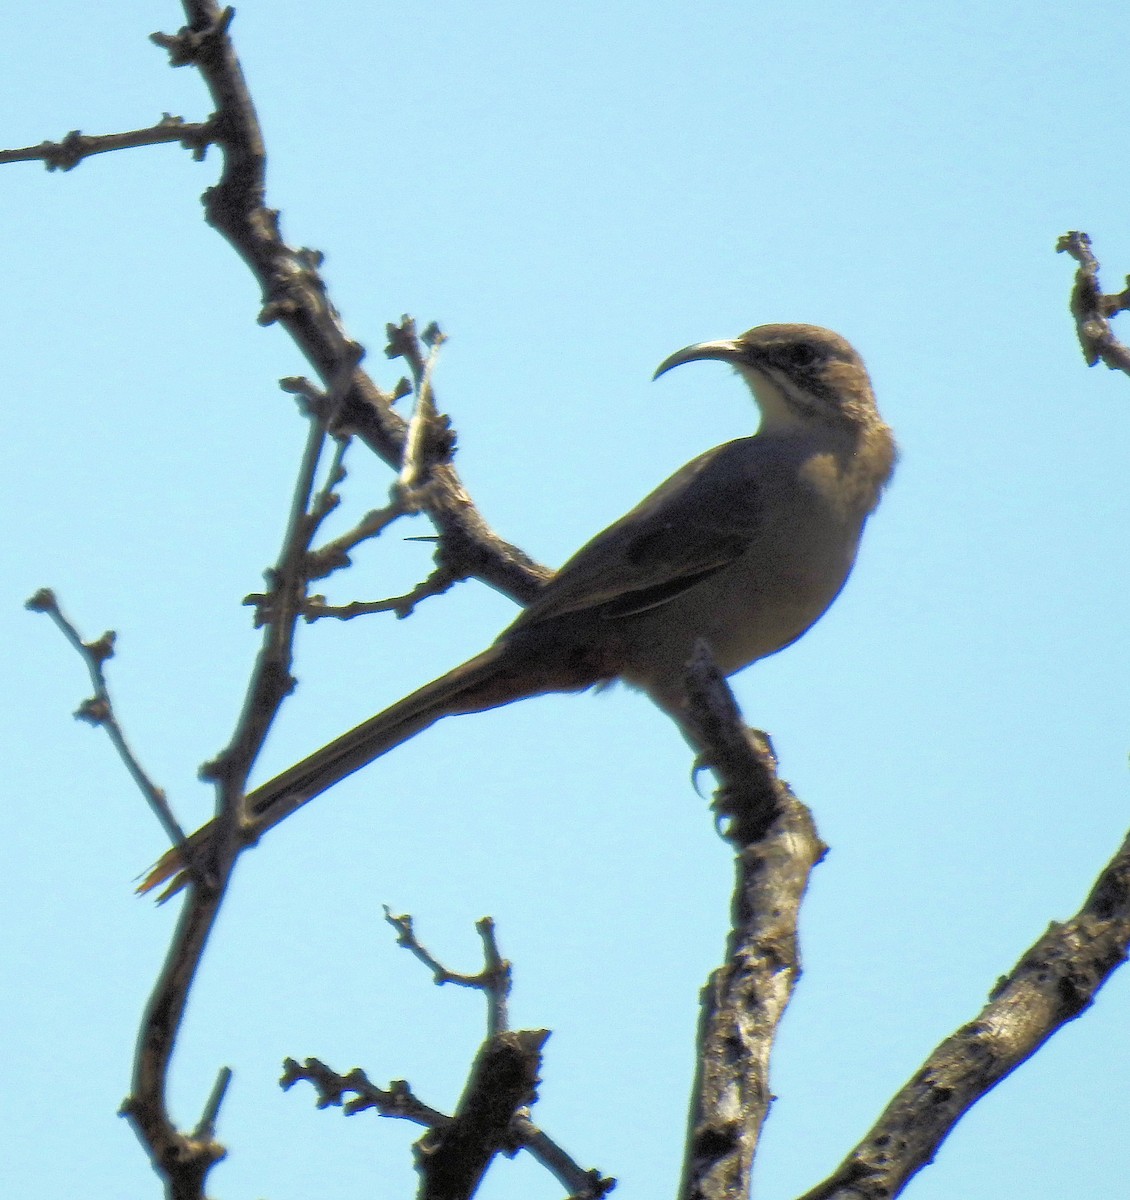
(485, 681)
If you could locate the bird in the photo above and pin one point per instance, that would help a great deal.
(743, 549)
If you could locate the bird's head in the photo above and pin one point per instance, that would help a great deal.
(799, 374)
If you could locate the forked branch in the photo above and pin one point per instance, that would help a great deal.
(493, 1114)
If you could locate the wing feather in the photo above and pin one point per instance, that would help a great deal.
(692, 526)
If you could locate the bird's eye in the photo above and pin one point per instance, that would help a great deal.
(799, 354)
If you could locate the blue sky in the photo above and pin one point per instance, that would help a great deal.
(572, 193)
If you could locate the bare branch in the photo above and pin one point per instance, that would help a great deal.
(1054, 982)
(271, 679)
(437, 583)
(581, 1184)
(504, 1076)
(494, 980)
(1092, 309)
(184, 1160)
(67, 154)
(99, 710)
(206, 1127)
(397, 1100)
(776, 846)
(493, 1113)
(334, 555)
(429, 440)
(294, 294)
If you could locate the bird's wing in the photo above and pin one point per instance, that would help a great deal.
(693, 525)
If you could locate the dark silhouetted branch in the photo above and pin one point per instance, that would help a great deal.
(67, 154)
(493, 980)
(99, 710)
(295, 296)
(1092, 308)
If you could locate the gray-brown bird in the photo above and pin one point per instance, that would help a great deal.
(744, 548)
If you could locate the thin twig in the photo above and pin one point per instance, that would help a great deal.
(581, 1184)
(271, 680)
(67, 154)
(428, 440)
(397, 1100)
(181, 1158)
(334, 555)
(99, 710)
(206, 1127)
(437, 583)
(497, 978)
(400, 1102)
(494, 980)
(301, 564)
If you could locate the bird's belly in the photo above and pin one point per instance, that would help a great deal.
(763, 620)
(756, 606)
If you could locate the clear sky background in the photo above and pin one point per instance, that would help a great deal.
(573, 192)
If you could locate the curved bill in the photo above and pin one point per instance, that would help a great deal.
(727, 351)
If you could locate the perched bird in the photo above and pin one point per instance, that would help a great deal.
(744, 548)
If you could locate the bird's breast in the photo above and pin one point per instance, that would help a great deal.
(797, 560)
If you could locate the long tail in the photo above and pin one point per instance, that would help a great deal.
(495, 677)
